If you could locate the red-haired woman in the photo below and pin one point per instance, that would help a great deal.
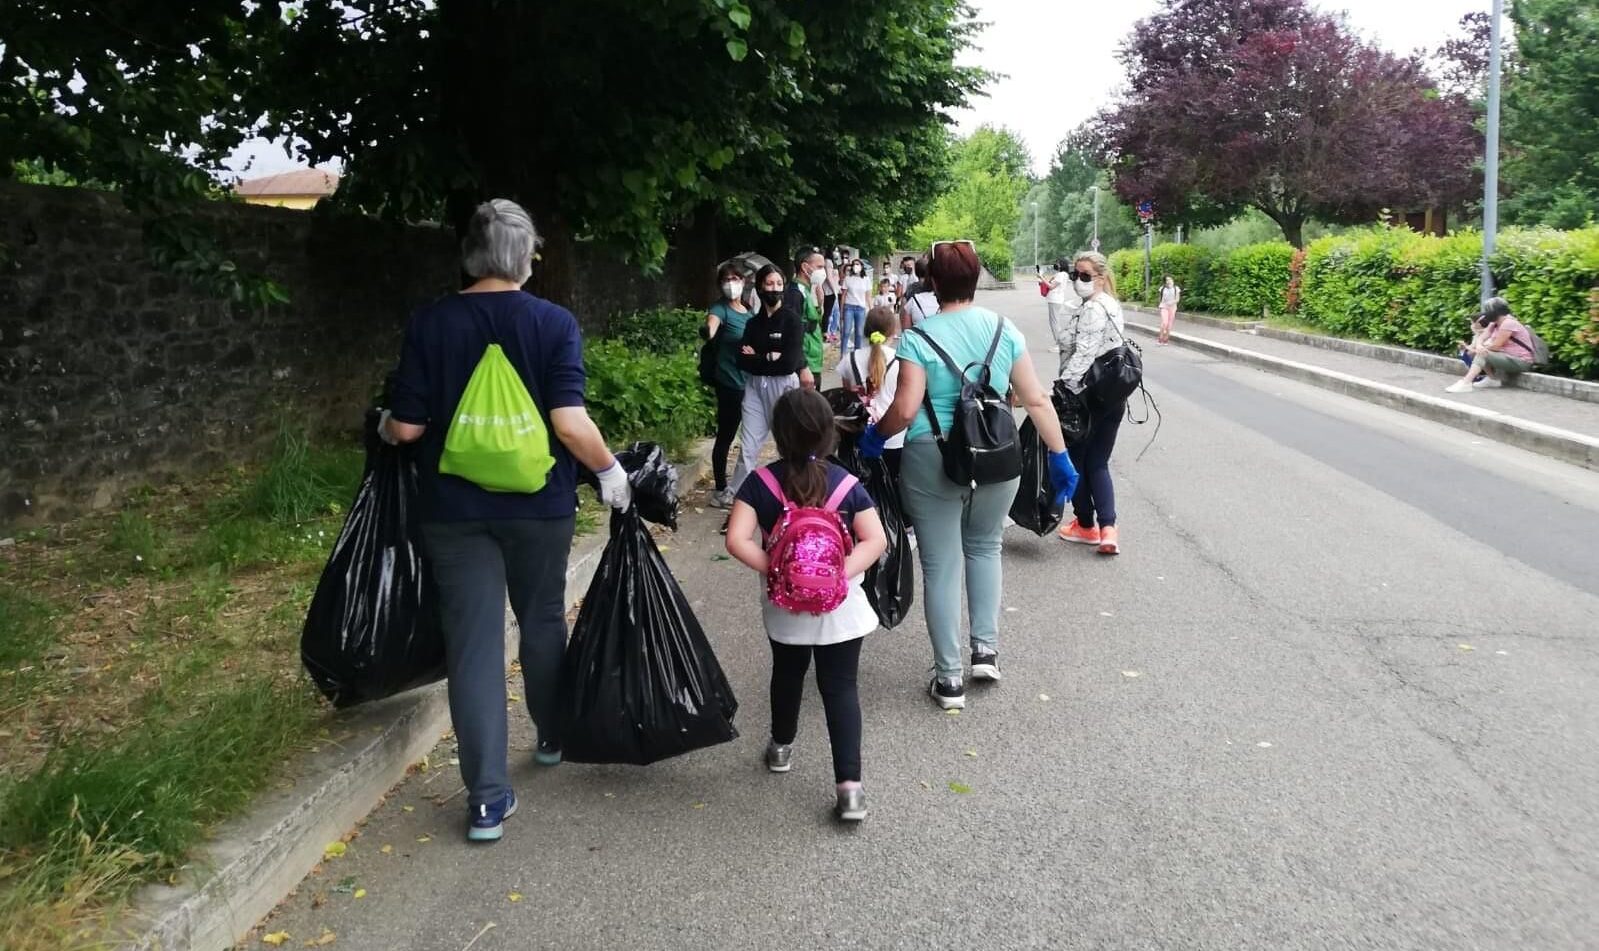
(958, 527)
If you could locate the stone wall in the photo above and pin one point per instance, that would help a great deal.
(114, 373)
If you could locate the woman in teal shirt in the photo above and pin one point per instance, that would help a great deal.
(957, 526)
(724, 323)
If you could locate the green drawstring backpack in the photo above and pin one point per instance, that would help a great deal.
(497, 438)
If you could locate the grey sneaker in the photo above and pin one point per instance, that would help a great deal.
(851, 805)
(721, 499)
(779, 757)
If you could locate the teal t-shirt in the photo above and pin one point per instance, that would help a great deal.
(729, 337)
(965, 336)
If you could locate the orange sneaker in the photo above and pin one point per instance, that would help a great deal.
(1107, 541)
(1074, 532)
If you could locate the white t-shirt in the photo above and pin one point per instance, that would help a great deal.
(883, 300)
(1060, 285)
(856, 288)
(921, 306)
(884, 397)
(1168, 295)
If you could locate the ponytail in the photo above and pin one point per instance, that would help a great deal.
(803, 428)
(881, 325)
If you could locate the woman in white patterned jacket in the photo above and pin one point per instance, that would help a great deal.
(1083, 335)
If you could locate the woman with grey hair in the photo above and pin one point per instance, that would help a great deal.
(482, 544)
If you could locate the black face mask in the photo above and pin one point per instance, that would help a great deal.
(771, 298)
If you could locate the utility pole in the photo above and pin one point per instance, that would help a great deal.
(1149, 244)
(1094, 244)
(1490, 162)
(1035, 237)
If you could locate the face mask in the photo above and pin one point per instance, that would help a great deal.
(818, 276)
(1085, 289)
(771, 298)
(732, 290)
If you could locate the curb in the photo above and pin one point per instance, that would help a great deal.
(1561, 444)
(1581, 390)
(256, 859)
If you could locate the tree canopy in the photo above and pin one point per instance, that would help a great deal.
(988, 178)
(1551, 114)
(1066, 208)
(615, 120)
(1272, 105)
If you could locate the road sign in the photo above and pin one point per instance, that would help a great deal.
(1094, 245)
(1146, 210)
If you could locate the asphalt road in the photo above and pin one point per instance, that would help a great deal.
(1339, 692)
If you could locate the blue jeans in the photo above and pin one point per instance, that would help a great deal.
(1095, 499)
(957, 528)
(854, 328)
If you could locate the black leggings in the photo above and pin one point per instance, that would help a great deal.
(836, 666)
(729, 414)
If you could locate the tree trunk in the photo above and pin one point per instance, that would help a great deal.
(1292, 223)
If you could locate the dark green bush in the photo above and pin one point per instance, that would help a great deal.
(634, 394)
(662, 330)
(1251, 280)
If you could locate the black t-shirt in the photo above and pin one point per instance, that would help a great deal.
(768, 509)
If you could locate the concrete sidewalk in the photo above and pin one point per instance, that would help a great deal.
(1554, 425)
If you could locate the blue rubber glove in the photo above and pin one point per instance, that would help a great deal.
(1062, 476)
(871, 444)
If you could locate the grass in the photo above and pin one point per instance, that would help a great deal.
(150, 679)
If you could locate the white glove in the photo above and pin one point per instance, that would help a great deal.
(383, 429)
(615, 490)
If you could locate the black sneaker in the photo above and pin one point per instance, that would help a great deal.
(985, 666)
(723, 529)
(548, 753)
(949, 694)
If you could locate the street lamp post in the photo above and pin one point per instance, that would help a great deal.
(1094, 244)
(1035, 237)
(1490, 160)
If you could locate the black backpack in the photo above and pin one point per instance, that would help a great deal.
(1115, 374)
(982, 448)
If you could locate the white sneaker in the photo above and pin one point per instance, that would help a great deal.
(1459, 386)
(1487, 383)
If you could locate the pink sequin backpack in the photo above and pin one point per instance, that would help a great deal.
(807, 548)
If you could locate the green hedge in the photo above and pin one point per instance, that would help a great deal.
(1394, 285)
(643, 379)
(1419, 291)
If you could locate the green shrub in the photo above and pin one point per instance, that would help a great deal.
(662, 330)
(1250, 281)
(634, 394)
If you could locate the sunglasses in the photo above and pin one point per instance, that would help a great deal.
(1081, 275)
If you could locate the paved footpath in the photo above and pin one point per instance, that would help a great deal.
(1552, 410)
(1340, 692)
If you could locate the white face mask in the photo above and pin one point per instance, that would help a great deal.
(733, 290)
(818, 276)
(1085, 289)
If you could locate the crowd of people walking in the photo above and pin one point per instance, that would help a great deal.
(922, 354)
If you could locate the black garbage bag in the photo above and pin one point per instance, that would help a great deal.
(850, 419)
(1034, 508)
(1072, 408)
(640, 682)
(373, 627)
(654, 481)
(891, 583)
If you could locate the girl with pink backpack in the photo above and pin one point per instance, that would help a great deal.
(819, 532)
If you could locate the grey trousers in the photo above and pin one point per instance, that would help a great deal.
(761, 393)
(475, 565)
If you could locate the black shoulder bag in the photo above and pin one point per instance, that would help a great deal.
(982, 447)
(1115, 374)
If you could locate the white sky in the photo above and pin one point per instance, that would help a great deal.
(1060, 55)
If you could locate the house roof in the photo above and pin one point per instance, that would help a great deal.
(304, 181)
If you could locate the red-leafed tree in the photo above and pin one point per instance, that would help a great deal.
(1270, 104)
